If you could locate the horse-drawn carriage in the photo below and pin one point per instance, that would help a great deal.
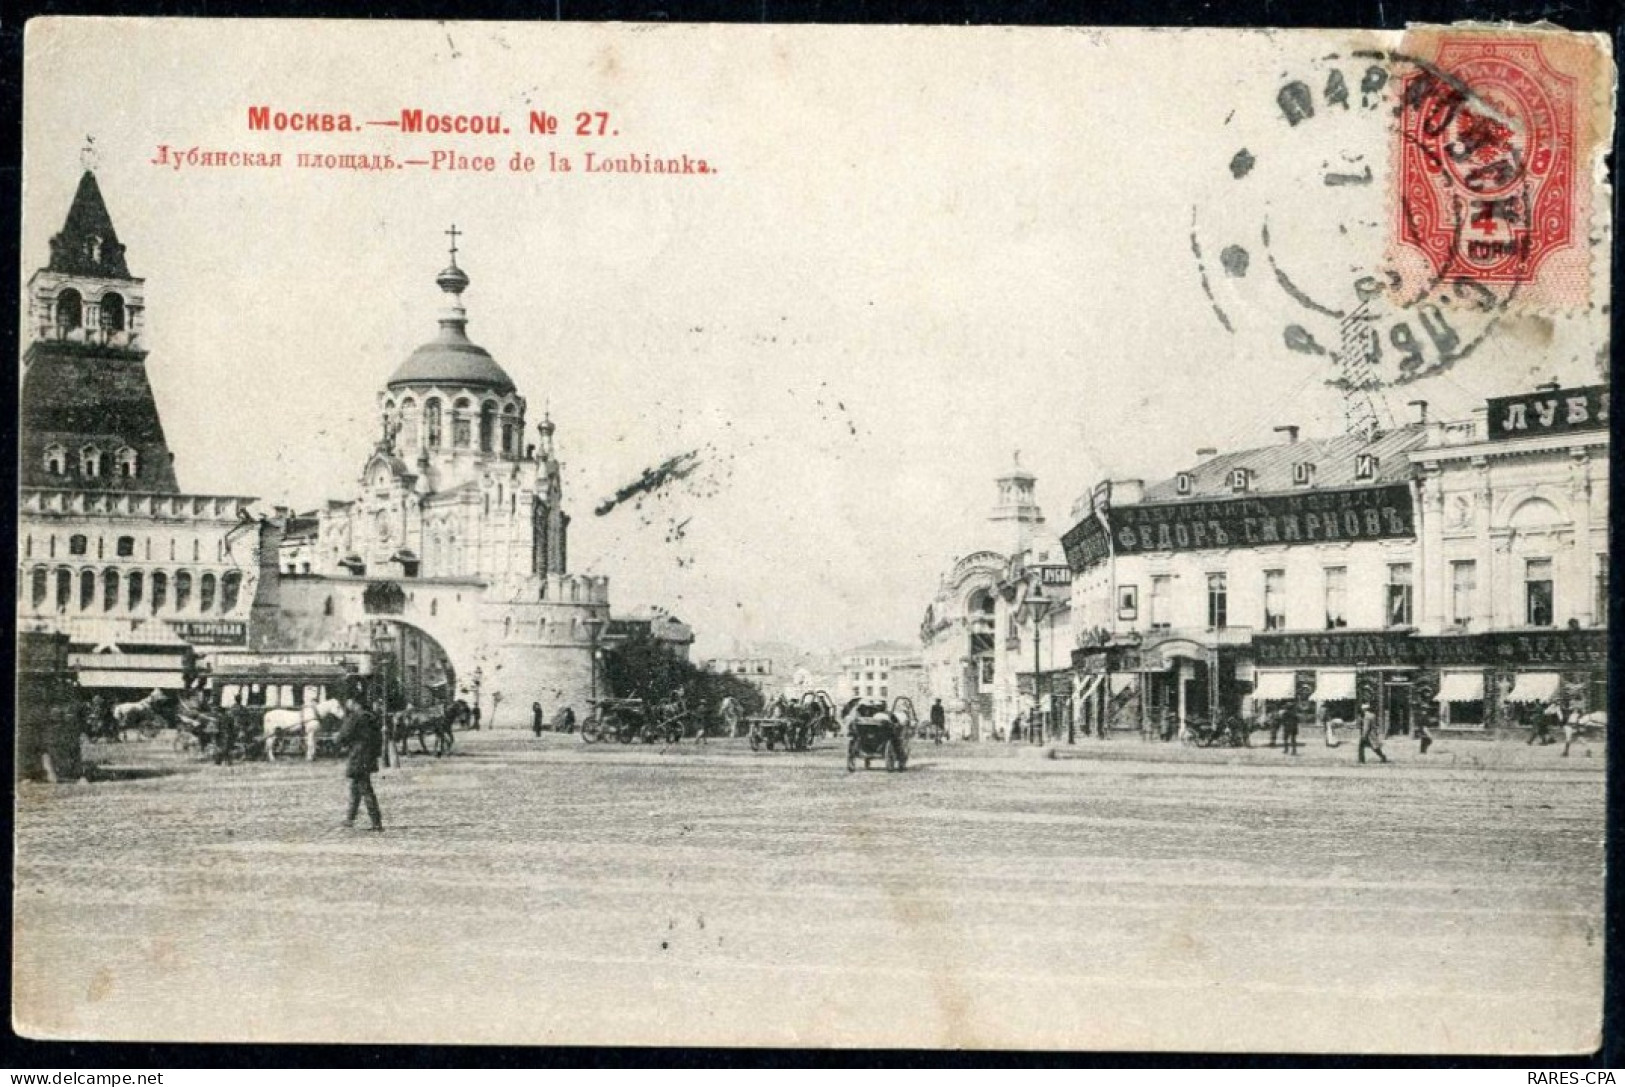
(626, 719)
(792, 725)
(436, 724)
(875, 732)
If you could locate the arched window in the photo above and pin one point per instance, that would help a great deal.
(41, 586)
(90, 462)
(112, 312)
(160, 585)
(135, 588)
(488, 425)
(431, 422)
(87, 590)
(461, 426)
(510, 430)
(231, 584)
(128, 462)
(109, 590)
(64, 589)
(70, 310)
(183, 590)
(409, 423)
(56, 460)
(205, 592)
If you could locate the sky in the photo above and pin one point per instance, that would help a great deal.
(921, 251)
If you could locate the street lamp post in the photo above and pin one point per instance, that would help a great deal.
(1040, 604)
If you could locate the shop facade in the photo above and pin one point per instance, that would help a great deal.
(1453, 575)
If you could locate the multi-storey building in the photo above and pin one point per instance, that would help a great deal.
(1446, 573)
(110, 551)
(968, 644)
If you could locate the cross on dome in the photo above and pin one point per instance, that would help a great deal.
(452, 234)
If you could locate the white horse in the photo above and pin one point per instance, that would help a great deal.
(306, 720)
(136, 714)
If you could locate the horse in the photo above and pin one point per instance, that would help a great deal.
(437, 721)
(307, 721)
(144, 714)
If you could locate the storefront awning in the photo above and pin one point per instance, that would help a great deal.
(1334, 686)
(1535, 687)
(1275, 686)
(1460, 687)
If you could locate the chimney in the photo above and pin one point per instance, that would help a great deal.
(1205, 452)
(1421, 407)
(1291, 433)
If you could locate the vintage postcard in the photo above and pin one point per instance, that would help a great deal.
(814, 536)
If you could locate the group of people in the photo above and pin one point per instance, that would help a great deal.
(564, 722)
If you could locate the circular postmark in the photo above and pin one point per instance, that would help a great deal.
(1380, 213)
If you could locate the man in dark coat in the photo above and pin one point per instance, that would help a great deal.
(939, 720)
(536, 719)
(1287, 722)
(1370, 733)
(361, 739)
(567, 720)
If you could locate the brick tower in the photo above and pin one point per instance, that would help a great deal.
(88, 417)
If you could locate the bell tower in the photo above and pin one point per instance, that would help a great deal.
(1017, 512)
(87, 413)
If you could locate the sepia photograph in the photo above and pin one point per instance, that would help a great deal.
(950, 538)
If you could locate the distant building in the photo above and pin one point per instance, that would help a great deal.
(880, 670)
(968, 643)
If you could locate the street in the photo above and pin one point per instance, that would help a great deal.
(544, 891)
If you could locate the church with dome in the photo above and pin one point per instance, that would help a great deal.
(450, 563)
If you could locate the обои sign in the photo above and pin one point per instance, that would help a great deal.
(1551, 412)
(1368, 513)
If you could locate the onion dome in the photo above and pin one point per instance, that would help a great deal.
(451, 358)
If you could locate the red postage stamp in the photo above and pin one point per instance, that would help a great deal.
(1494, 148)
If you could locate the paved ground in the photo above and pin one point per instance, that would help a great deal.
(549, 893)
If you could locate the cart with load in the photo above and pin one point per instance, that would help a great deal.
(792, 726)
(875, 732)
(626, 719)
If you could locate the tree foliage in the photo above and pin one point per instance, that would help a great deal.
(642, 667)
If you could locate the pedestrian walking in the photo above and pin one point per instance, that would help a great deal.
(1424, 735)
(939, 721)
(1550, 717)
(536, 719)
(1274, 722)
(1370, 734)
(363, 742)
(1287, 721)
(1571, 728)
(567, 720)
(234, 724)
